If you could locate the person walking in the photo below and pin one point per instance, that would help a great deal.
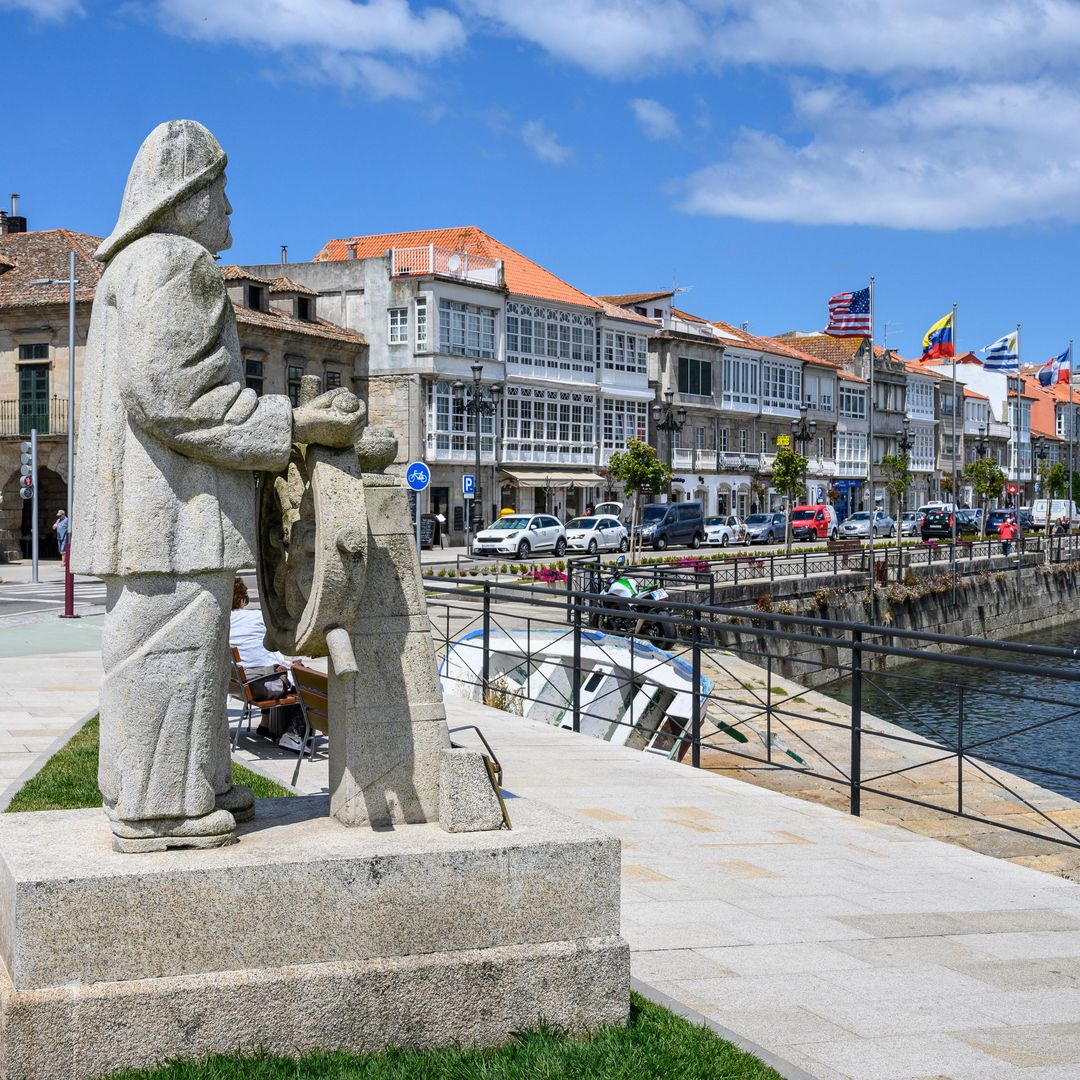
(1007, 533)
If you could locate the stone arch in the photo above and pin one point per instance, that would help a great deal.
(15, 512)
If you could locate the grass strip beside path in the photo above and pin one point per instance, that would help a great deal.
(655, 1045)
(68, 780)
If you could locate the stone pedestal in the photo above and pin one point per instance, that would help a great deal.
(306, 935)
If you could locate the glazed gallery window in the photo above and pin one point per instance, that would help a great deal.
(852, 403)
(695, 377)
(421, 324)
(541, 424)
(547, 340)
(850, 450)
(450, 426)
(740, 380)
(623, 420)
(781, 384)
(399, 326)
(466, 330)
(625, 352)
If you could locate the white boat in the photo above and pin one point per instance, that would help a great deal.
(632, 693)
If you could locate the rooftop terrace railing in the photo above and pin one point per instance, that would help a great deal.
(987, 739)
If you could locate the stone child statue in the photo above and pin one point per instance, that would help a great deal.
(165, 493)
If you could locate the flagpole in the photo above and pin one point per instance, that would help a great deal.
(1072, 439)
(870, 461)
(954, 483)
(1019, 523)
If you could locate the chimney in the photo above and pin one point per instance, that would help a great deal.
(284, 254)
(12, 223)
(352, 250)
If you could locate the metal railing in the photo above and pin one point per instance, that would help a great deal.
(975, 746)
(18, 416)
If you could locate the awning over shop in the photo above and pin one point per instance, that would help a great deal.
(529, 479)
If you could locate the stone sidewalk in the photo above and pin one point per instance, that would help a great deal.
(848, 948)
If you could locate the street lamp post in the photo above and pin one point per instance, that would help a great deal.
(477, 404)
(803, 431)
(669, 420)
(904, 442)
(71, 281)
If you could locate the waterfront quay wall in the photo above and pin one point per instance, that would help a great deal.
(990, 602)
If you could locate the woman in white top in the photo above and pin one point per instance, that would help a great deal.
(270, 670)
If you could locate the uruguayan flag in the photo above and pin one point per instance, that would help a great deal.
(1003, 354)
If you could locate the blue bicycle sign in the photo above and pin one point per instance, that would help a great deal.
(418, 476)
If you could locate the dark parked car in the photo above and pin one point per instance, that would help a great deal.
(996, 517)
(938, 524)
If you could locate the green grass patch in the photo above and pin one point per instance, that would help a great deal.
(68, 780)
(655, 1045)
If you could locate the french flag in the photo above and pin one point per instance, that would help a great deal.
(1055, 370)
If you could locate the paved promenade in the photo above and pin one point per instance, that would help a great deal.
(848, 948)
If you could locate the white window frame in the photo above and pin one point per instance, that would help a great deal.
(397, 326)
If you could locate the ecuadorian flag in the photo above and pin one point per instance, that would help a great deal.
(939, 339)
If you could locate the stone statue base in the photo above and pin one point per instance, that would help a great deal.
(303, 936)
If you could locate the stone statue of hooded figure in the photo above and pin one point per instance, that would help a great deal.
(169, 437)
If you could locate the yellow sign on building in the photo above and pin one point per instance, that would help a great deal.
(783, 440)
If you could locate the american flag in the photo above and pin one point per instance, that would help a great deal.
(849, 314)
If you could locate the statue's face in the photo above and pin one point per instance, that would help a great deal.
(216, 235)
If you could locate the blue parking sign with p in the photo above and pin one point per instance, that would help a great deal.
(417, 476)
(468, 485)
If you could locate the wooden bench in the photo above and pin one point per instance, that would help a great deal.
(242, 688)
(844, 548)
(311, 685)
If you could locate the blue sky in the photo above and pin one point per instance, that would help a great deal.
(762, 154)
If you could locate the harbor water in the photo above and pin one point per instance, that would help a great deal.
(1026, 723)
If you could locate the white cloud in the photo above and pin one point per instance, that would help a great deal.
(46, 10)
(657, 121)
(952, 156)
(544, 143)
(335, 40)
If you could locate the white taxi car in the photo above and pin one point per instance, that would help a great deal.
(724, 529)
(596, 533)
(521, 535)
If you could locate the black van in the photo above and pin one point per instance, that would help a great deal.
(673, 523)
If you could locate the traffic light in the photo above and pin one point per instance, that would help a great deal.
(26, 470)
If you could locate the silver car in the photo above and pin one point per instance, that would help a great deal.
(859, 524)
(911, 522)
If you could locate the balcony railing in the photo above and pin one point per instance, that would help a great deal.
(546, 455)
(446, 262)
(19, 416)
(705, 460)
(682, 458)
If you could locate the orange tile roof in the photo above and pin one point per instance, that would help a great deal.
(623, 299)
(45, 253)
(287, 285)
(232, 272)
(523, 277)
(968, 392)
(836, 350)
(613, 311)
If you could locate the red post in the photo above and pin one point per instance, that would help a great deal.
(69, 585)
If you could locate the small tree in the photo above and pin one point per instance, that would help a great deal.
(637, 468)
(987, 479)
(1054, 479)
(896, 468)
(789, 475)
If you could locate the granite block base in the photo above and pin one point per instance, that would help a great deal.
(305, 935)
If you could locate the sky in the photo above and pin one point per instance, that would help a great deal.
(759, 155)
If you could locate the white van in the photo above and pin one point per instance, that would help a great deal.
(1053, 510)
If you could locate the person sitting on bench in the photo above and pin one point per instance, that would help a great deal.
(271, 670)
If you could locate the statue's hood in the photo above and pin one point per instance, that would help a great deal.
(177, 159)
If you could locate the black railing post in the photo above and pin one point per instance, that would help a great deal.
(804, 564)
(856, 723)
(576, 688)
(772, 567)
(486, 662)
(695, 713)
(768, 707)
(736, 582)
(960, 754)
